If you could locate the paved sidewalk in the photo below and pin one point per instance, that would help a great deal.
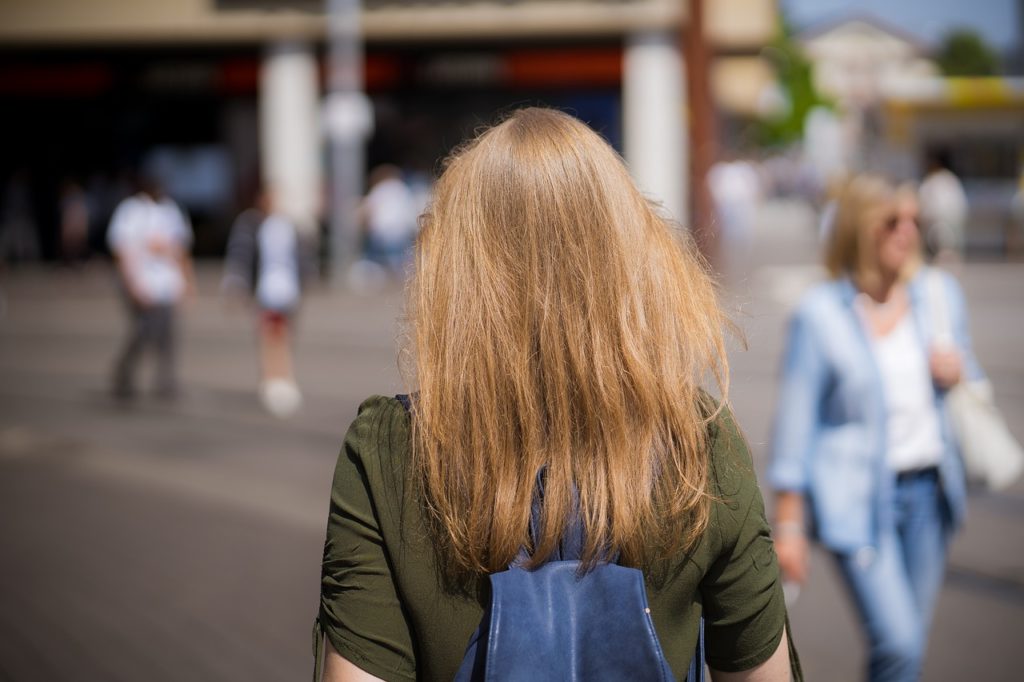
(182, 541)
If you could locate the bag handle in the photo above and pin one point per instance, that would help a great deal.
(938, 306)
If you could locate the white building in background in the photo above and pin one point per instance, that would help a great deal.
(859, 58)
(859, 61)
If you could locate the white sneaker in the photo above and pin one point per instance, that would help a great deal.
(281, 397)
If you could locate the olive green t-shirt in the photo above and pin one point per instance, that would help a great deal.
(384, 608)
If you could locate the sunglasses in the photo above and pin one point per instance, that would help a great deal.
(892, 222)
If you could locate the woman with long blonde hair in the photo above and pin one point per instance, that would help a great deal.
(560, 326)
(863, 453)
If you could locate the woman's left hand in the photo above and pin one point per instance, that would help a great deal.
(946, 367)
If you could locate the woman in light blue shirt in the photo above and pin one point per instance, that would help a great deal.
(862, 442)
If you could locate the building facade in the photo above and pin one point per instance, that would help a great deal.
(225, 95)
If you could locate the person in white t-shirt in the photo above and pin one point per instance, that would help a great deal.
(943, 210)
(266, 259)
(150, 238)
(388, 214)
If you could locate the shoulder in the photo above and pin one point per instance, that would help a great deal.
(822, 309)
(379, 420)
(127, 206)
(174, 212)
(123, 221)
(169, 204)
(247, 222)
(817, 310)
(377, 441)
(277, 224)
(732, 468)
(949, 282)
(129, 202)
(738, 506)
(823, 296)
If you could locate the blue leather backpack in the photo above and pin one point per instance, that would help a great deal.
(555, 623)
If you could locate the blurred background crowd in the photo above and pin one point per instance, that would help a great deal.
(291, 146)
(218, 98)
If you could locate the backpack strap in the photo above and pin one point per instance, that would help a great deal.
(573, 542)
(696, 671)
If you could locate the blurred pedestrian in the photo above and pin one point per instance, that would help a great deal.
(19, 230)
(388, 214)
(943, 210)
(1015, 228)
(862, 440)
(830, 202)
(74, 223)
(150, 238)
(736, 190)
(561, 333)
(267, 262)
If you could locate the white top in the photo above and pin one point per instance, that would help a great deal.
(148, 235)
(942, 197)
(277, 284)
(914, 435)
(391, 212)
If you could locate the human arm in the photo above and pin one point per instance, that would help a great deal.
(775, 669)
(791, 544)
(127, 268)
(188, 273)
(240, 255)
(361, 612)
(952, 356)
(337, 668)
(120, 241)
(182, 253)
(803, 384)
(744, 609)
(946, 367)
(308, 266)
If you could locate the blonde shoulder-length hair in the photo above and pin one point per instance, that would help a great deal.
(851, 246)
(560, 323)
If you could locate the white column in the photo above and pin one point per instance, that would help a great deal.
(655, 120)
(290, 132)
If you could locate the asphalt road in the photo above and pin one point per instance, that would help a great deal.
(182, 541)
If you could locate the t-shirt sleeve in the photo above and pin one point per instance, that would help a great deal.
(360, 610)
(744, 609)
(118, 233)
(183, 228)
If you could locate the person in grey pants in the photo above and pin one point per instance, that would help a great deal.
(150, 237)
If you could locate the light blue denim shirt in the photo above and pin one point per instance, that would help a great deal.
(830, 435)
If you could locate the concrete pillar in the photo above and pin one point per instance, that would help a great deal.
(654, 119)
(289, 103)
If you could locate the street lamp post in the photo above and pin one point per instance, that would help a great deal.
(348, 118)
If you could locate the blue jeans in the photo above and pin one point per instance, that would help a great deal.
(391, 255)
(894, 585)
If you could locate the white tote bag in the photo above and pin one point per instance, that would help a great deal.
(992, 456)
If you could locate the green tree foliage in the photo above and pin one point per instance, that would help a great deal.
(795, 77)
(965, 53)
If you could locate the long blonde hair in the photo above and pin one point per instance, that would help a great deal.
(559, 322)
